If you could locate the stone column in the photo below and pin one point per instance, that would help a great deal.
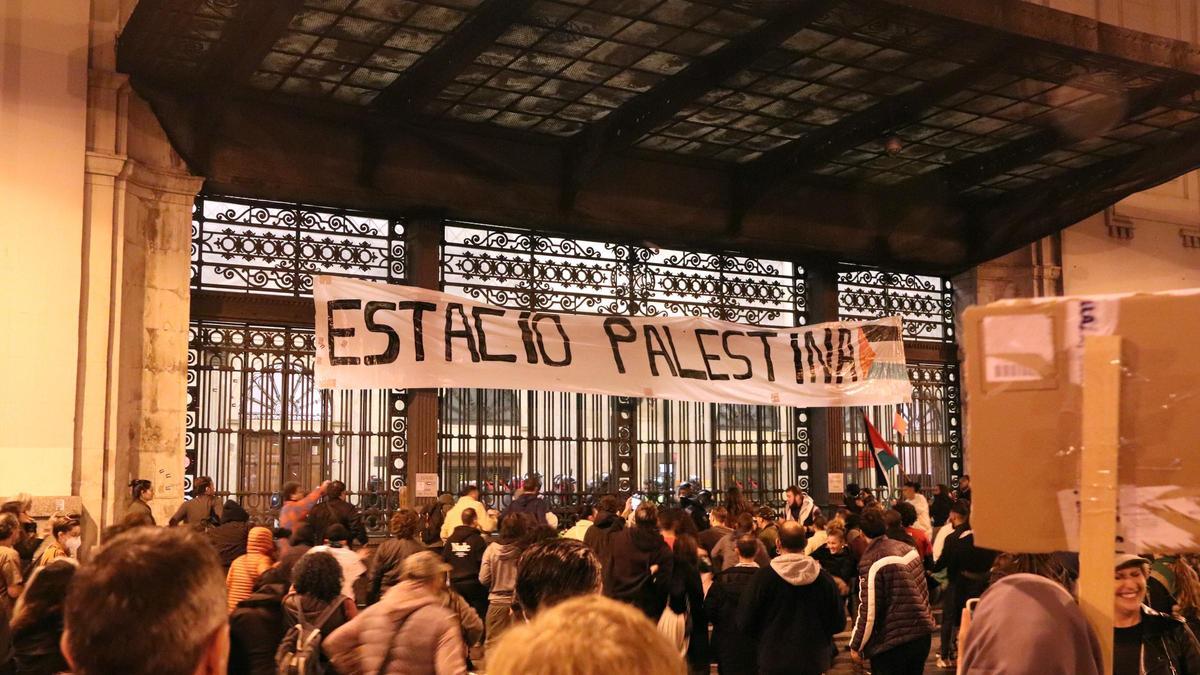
(130, 419)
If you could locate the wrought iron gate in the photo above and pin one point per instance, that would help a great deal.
(587, 444)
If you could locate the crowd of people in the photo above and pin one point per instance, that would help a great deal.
(630, 586)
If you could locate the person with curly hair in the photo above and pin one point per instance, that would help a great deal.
(385, 568)
(317, 596)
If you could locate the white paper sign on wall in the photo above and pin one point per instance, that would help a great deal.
(837, 483)
(427, 485)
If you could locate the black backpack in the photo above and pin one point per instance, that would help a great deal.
(300, 651)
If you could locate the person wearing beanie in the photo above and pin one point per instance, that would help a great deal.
(245, 571)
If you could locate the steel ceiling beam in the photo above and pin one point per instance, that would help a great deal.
(625, 125)
(434, 71)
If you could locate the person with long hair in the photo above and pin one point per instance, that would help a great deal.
(389, 557)
(141, 492)
(37, 622)
(685, 590)
(498, 571)
(736, 503)
(1187, 593)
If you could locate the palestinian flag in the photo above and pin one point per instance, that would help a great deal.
(885, 458)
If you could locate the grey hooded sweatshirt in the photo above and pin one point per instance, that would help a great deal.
(1026, 625)
(792, 609)
(498, 571)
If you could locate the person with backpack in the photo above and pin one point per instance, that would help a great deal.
(313, 610)
(531, 502)
(386, 564)
(203, 510)
(407, 631)
(463, 552)
(334, 510)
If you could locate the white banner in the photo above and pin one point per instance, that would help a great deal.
(380, 336)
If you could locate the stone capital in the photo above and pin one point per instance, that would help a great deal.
(172, 186)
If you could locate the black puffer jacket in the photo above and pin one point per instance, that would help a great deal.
(1168, 645)
(893, 598)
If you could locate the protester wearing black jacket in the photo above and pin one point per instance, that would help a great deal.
(229, 538)
(735, 651)
(531, 502)
(606, 524)
(257, 626)
(463, 551)
(691, 505)
(792, 607)
(337, 511)
(638, 565)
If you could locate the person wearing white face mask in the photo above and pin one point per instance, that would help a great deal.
(66, 541)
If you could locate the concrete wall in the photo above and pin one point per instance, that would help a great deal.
(43, 115)
(1154, 259)
(95, 236)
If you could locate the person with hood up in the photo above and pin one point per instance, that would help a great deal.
(1146, 641)
(793, 609)
(608, 522)
(468, 499)
(408, 631)
(639, 565)
(463, 552)
(939, 508)
(229, 538)
(498, 571)
(735, 650)
(386, 565)
(1026, 624)
(532, 503)
(248, 567)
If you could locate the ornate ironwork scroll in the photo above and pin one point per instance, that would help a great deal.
(262, 247)
(926, 303)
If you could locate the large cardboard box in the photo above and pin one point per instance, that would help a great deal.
(1023, 377)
